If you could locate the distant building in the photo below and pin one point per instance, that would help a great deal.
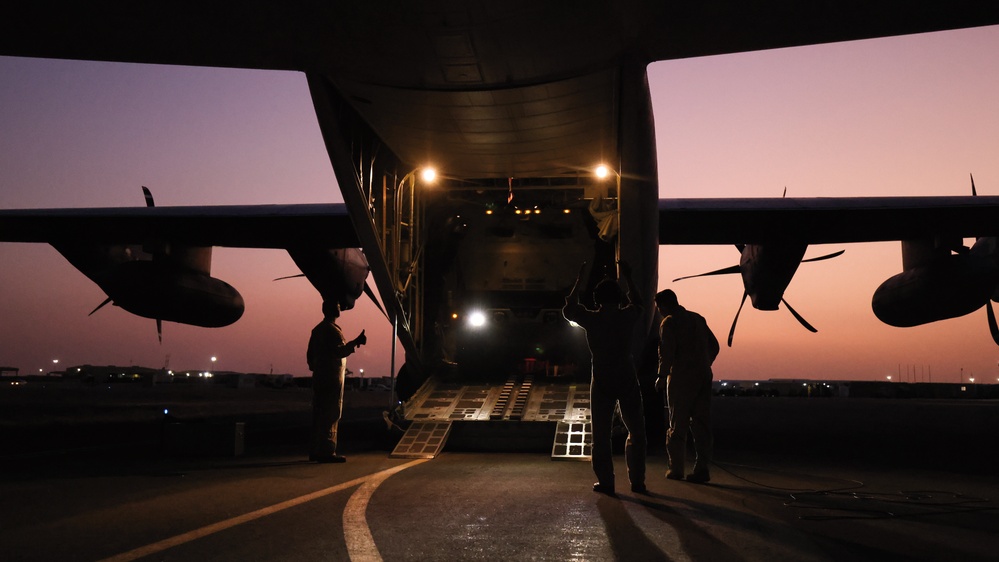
(106, 374)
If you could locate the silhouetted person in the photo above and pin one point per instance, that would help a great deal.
(614, 381)
(327, 356)
(687, 348)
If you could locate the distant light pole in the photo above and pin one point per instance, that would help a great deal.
(214, 359)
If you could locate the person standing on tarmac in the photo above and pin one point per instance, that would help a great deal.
(614, 379)
(327, 357)
(687, 348)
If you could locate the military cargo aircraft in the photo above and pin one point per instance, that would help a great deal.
(537, 121)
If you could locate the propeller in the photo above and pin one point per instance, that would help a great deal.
(150, 203)
(371, 295)
(148, 195)
(798, 317)
(367, 291)
(738, 269)
(825, 257)
(731, 331)
(990, 313)
(100, 306)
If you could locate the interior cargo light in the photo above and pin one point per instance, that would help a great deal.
(477, 319)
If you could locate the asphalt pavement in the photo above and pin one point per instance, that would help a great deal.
(791, 481)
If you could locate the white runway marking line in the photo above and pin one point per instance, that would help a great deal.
(356, 533)
(245, 518)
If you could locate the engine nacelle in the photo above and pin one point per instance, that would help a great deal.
(338, 274)
(767, 270)
(949, 287)
(156, 291)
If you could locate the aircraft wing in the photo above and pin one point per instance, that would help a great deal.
(825, 220)
(238, 226)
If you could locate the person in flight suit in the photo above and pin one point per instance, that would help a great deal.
(613, 379)
(687, 348)
(327, 357)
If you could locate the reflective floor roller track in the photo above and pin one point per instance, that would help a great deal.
(508, 416)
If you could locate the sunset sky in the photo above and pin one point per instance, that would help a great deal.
(904, 116)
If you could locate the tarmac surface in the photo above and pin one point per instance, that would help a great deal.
(794, 479)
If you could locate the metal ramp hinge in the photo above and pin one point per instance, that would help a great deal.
(573, 441)
(423, 440)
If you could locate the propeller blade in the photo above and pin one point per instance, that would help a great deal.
(149, 196)
(798, 317)
(159, 330)
(825, 257)
(992, 322)
(371, 295)
(290, 277)
(731, 331)
(725, 271)
(100, 306)
(974, 193)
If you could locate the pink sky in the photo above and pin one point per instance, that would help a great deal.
(903, 116)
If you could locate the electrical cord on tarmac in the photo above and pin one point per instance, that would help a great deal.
(849, 502)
